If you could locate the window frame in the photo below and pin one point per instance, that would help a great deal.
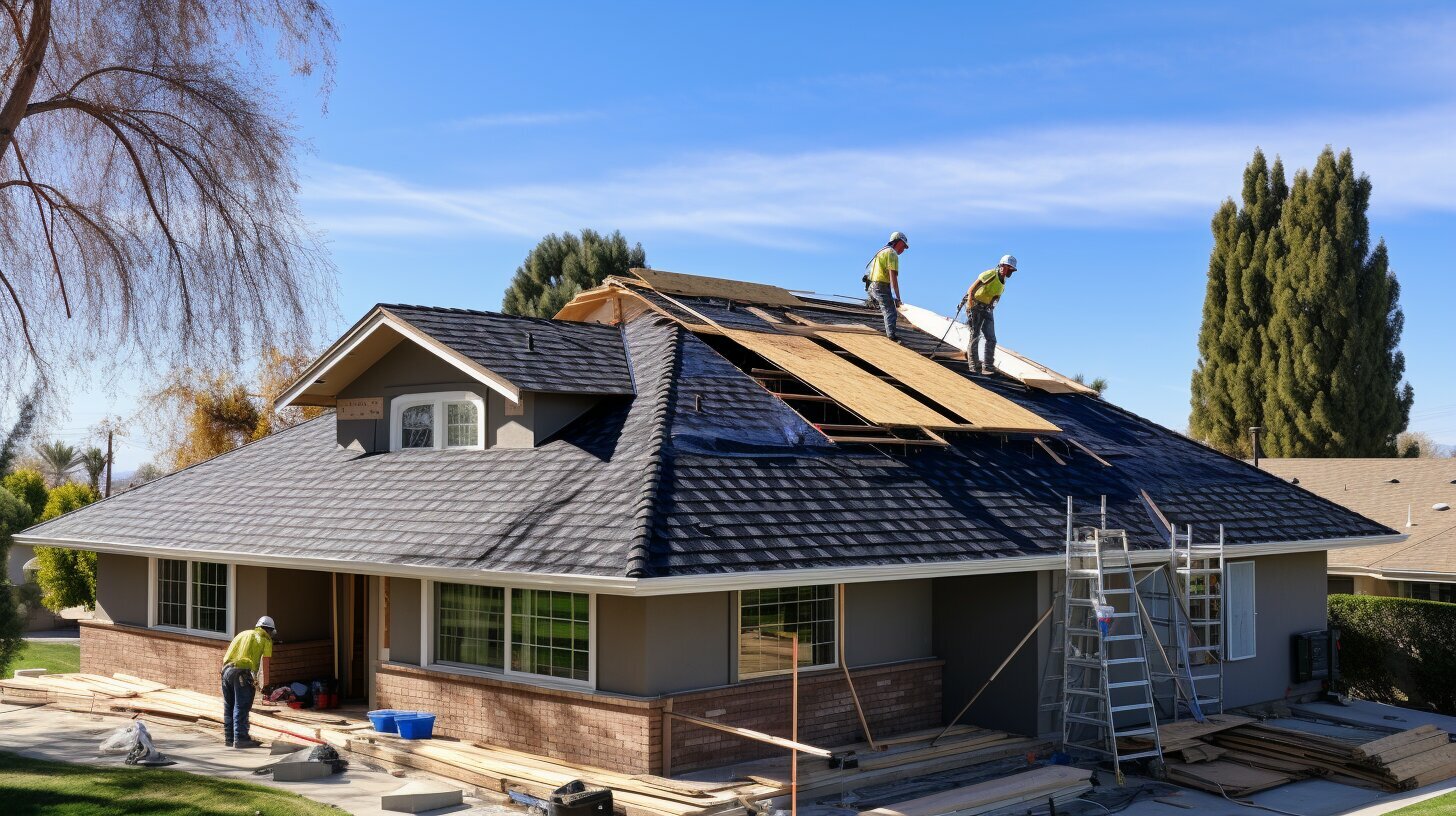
(429, 632)
(1230, 635)
(737, 624)
(229, 613)
(438, 400)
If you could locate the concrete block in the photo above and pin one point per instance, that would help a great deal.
(286, 747)
(300, 771)
(422, 795)
(30, 672)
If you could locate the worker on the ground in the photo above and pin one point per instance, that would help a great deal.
(982, 297)
(882, 281)
(242, 669)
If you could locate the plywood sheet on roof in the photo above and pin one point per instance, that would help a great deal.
(971, 402)
(1010, 363)
(842, 381)
(676, 283)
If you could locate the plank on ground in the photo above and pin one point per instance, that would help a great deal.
(988, 795)
(1375, 748)
(985, 409)
(844, 382)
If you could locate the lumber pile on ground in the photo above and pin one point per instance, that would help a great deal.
(1058, 783)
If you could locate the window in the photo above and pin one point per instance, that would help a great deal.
(470, 625)
(766, 619)
(544, 632)
(192, 595)
(1430, 592)
(1341, 585)
(1240, 610)
(440, 421)
(551, 633)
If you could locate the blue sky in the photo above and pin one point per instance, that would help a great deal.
(783, 142)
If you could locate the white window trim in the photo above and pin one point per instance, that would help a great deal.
(1228, 627)
(428, 631)
(737, 624)
(232, 599)
(438, 399)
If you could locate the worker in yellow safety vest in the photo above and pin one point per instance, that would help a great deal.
(242, 666)
(983, 296)
(882, 280)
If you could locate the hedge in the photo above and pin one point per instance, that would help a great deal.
(1397, 650)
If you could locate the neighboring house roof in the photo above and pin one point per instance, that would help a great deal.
(702, 474)
(1366, 486)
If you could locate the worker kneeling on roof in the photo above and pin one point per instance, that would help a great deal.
(242, 667)
(882, 281)
(982, 297)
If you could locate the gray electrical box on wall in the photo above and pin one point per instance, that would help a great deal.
(1315, 655)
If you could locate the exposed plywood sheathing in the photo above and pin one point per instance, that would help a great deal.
(1029, 372)
(978, 406)
(852, 387)
(700, 286)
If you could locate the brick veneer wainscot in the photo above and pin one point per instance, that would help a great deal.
(188, 661)
(624, 734)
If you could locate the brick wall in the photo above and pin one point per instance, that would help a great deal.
(625, 734)
(188, 661)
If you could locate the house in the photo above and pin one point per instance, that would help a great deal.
(552, 532)
(1414, 496)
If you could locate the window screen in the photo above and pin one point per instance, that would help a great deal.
(1240, 610)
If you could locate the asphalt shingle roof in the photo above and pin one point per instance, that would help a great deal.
(560, 357)
(703, 472)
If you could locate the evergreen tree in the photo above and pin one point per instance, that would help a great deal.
(1332, 366)
(14, 517)
(560, 268)
(30, 487)
(66, 577)
(1227, 387)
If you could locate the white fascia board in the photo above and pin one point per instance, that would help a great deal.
(688, 584)
(1422, 576)
(379, 319)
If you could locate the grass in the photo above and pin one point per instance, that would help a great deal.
(1443, 805)
(33, 786)
(55, 658)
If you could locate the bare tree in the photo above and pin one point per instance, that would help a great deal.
(147, 180)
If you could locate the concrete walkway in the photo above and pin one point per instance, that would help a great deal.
(42, 733)
(55, 636)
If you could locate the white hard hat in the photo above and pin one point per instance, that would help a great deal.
(266, 622)
(1008, 260)
(898, 236)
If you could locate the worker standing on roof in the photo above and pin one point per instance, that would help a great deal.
(882, 281)
(242, 666)
(983, 297)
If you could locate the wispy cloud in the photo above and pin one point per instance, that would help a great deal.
(1127, 174)
(501, 120)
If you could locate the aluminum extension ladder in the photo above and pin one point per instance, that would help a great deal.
(1107, 689)
(1197, 621)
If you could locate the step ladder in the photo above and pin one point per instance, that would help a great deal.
(1050, 698)
(1107, 689)
(1197, 624)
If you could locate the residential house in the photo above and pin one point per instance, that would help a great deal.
(551, 532)
(1414, 496)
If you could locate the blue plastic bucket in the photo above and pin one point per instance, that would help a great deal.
(383, 719)
(416, 725)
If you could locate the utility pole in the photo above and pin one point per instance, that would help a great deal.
(107, 494)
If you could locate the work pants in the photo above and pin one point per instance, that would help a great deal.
(983, 324)
(884, 297)
(237, 703)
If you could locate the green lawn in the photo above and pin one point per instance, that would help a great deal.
(1443, 805)
(32, 786)
(56, 658)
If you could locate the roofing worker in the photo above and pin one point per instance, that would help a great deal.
(983, 296)
(241, 668)
(882, 283)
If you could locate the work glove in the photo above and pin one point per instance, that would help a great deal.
(960, 305)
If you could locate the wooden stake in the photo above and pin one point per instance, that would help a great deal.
(995, 674)
(794, 729)
(844, 664)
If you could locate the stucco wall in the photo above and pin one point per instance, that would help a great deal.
(252, 598)
(1289, 597)
(298, 601)
(404, 620)
(19, 554)
(978, 621)
(406, 369)
(121, 589)
(888, 621)
(660, 645)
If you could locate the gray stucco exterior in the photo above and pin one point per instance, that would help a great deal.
(978, 621)
(121, 588)
(1289, 597)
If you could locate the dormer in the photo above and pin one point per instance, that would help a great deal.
(409, 377)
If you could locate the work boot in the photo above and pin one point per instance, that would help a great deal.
(246, 743)
(975, 369)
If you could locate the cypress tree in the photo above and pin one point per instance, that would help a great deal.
(560, 267)
(1332, 364)
(1228, 387)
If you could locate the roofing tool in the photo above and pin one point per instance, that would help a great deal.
(952, 325)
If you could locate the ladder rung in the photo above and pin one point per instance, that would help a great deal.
(1117, 592)
(1084, 632)
(1123, 637)
(1136, 732)
(1127, 684)
(1129, 707)
(1139, 755)
(1124, 614)
(1120, 661)
(1198, 677)
(1085, 720)
(1203, 648)
(1085, 693)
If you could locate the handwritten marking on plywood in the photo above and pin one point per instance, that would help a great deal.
(978, 406)
(844, 382)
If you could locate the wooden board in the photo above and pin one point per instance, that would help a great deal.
(677, 283)
(976, 405)
(989, 795)
(844, 382)
(1222, 776)
(1010, 363)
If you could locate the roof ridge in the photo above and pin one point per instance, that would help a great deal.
(645, 509)
(486, 313)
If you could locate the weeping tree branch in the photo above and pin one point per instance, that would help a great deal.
(32, 55)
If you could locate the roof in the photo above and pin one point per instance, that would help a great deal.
(701, 473)
(534, 354)
(1389, 491)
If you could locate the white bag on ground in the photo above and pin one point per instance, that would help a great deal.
(134, 741)
(123, 739)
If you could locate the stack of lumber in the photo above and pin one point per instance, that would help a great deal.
(1020, 791)
(1409, 759)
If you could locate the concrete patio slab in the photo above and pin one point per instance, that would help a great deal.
(1377, 715)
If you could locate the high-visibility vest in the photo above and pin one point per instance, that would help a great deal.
(884, 262)
(992, 286)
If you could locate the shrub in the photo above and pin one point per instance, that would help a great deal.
(67, 577)
(1397, 649)
(30, 487)
(14, 517)
(67, 497)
